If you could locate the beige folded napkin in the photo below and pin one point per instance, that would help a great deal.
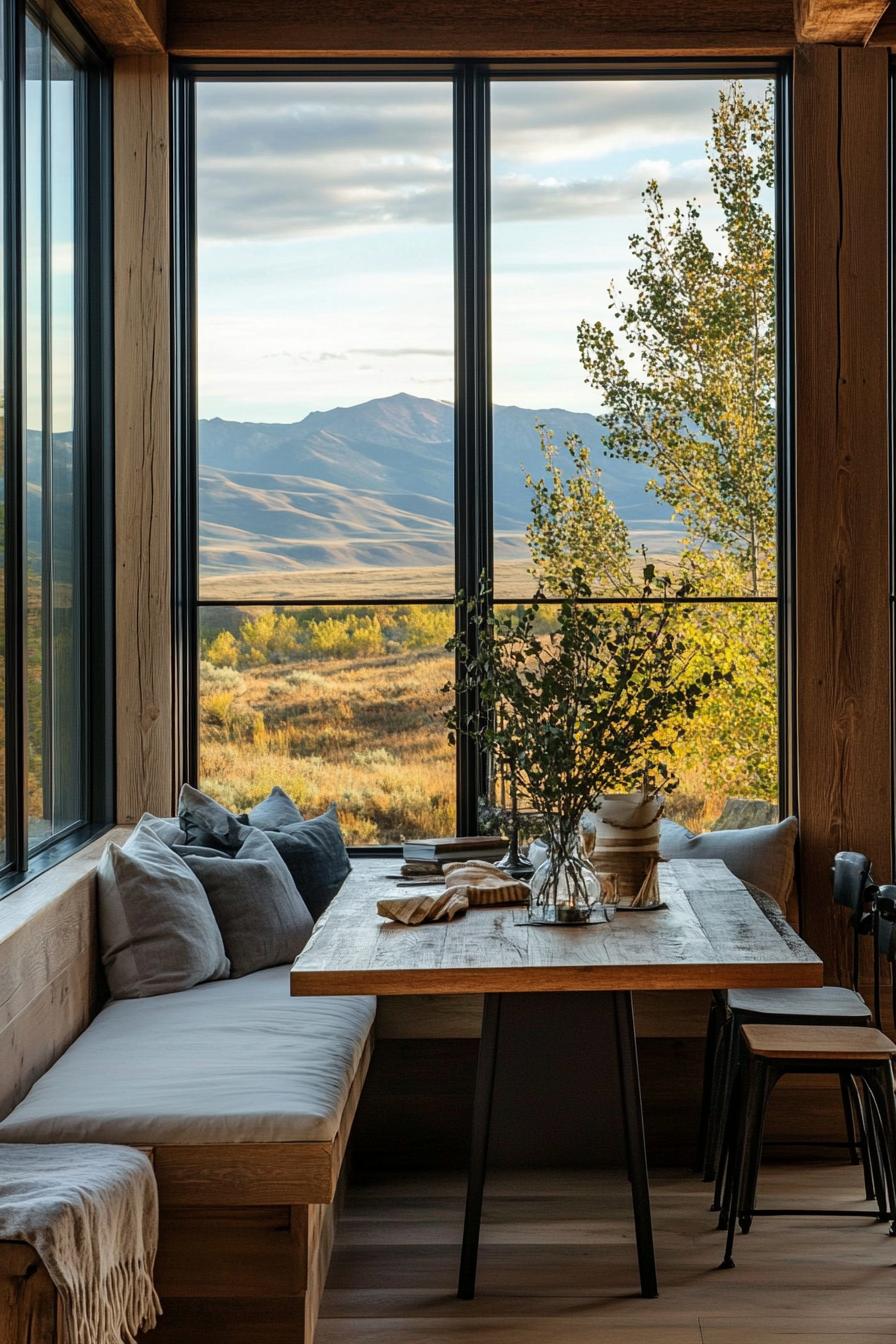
(423, 907)
(484, 884)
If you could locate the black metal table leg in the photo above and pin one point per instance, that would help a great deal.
(482, 1116)
(633, 1119)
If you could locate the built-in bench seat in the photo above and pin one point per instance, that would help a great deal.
(245, 1098)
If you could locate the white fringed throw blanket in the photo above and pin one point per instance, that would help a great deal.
(91, 1212)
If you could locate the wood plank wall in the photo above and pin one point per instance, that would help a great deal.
(48, 969)
(145, 710)
(843, 684)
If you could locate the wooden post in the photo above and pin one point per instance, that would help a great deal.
(143, 438)
(841, 177)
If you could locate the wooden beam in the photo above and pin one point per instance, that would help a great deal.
(145, 708)
(456, 28)
(125, 27)
(844, 22)
(840, 186)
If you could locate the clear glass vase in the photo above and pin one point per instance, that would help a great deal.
(565, 889)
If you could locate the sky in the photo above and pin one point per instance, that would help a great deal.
(325, 234)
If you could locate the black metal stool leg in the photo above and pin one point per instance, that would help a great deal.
(759, 1095)
(710, 1067)
(874, 1127)
(727, 1074)
(482, 1116)
(849, 1120)
(739, 1134)
(881, 1086)
(633, 1119)
(726, 1132)
(859, 1113)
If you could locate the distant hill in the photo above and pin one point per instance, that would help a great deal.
(373, 485)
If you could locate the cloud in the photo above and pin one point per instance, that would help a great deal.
(362, 352)
(287, 160)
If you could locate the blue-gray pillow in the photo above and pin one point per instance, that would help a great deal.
(315, 854)
(274, 812)
(262, 918)
(206, 822)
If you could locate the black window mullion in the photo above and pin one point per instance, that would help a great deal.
(48, 493)
(93, 432)
(186, 428)
(14, 465)
(473, 430)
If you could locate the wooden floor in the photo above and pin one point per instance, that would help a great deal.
(557, 1265)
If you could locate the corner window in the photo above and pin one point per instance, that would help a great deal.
(56, 443)
(424, 300)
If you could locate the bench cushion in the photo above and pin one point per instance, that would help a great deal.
(230, 1061)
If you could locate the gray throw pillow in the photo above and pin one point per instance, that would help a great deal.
(157, 931)
(167, 829)
(262, 918)
(315, 854)
(761, 855)
(206, 822)
(275, 812)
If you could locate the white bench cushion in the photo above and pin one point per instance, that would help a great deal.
(231, 1061)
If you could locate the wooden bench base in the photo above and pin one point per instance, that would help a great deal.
(239, 1274)
(28, 1301)
(234, 1275)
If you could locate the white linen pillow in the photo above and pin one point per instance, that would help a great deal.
(761, 855)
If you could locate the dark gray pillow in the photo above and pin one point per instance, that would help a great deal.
(315, 854)
(275, 812)
(262, 918)
(157, 931)
(206, 822)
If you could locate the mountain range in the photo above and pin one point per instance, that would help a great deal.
(373, 486)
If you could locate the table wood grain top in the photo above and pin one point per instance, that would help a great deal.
(713, 934)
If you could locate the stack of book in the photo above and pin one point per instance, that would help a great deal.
(426, 858)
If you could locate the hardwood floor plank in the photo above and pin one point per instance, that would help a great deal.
(557, 1264)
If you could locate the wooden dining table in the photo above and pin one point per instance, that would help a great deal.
(711, 932)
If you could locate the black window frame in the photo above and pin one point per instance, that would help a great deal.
(92, 434)
(473, 401)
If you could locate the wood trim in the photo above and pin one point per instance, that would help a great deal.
(841, 181)
(849, 23)
(259, 1173)
(666, 1014)
(125, 27)
(145, 690)
(458, 28)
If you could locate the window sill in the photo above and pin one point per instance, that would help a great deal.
(55, 868)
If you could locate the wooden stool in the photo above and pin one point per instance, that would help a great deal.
(770, 1052)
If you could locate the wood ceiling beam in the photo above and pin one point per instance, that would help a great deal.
(845, 23)
(487, 28)
(126, 27)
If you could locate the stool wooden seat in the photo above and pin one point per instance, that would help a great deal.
(859, 1056)
(823, 1043)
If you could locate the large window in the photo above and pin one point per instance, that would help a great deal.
(422, 298)
(56, 776)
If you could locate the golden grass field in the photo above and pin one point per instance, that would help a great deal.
(365, 733)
